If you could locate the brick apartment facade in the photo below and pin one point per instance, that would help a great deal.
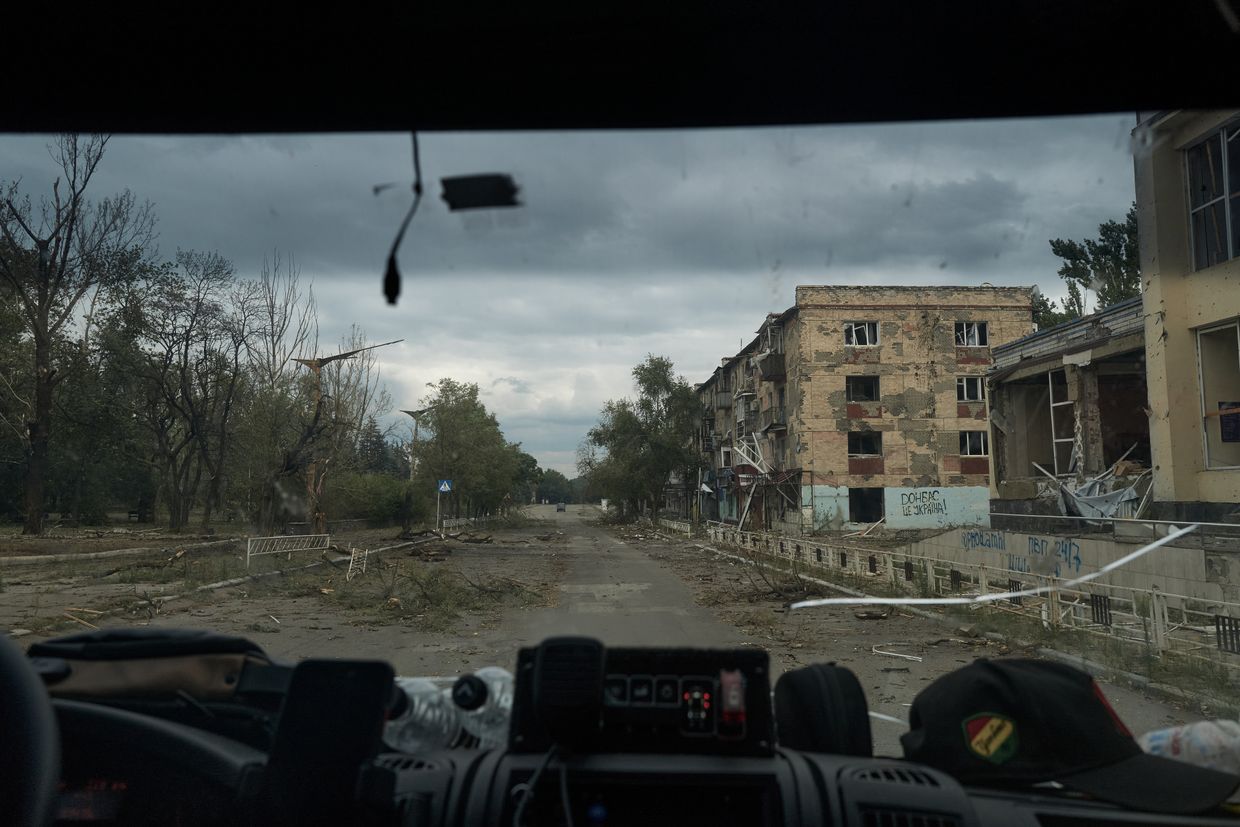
(859, 404)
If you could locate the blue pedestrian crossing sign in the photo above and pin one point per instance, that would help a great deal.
(445, 486)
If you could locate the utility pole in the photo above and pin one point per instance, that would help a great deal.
(314, 479)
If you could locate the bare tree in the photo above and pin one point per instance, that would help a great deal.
(53, 256)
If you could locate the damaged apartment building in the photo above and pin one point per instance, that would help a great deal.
(1070, 404)
(858, 405)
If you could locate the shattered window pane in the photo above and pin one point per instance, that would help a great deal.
(971, 334)
(1205, 171)
(970, 389)
(861, 334)
(1213, 174)
(1209, 235)
(973, 444)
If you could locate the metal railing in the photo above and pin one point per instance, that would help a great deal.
(258, 546)
(464, 522)
(1148, 620)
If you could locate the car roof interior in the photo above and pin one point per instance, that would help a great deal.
(476, 65)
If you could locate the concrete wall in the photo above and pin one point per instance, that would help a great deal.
(936, 507)
(830, 506)
(1177, 301)
(1192, 572)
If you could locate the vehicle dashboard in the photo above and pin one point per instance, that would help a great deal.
(121, 767)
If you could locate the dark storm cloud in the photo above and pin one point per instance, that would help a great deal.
(674, 243)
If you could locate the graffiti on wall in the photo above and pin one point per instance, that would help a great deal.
(936, 507)
(921, 501)
(1043, 555)
(1064, 551)
(977, 538)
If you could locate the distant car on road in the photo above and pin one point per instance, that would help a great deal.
(561, 507)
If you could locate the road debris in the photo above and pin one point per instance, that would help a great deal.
(872, 614)
(874, 649)
(85, 623)
(273, 617)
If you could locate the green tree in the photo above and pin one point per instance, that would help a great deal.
(464, 444)
(529, 475)
(1109, 265)
(637, 444)
(55, 256)
(555, 487)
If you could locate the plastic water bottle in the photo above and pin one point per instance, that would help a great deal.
(485, 701)
(428, 721)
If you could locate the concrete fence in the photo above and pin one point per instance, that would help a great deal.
(1129, 608)
(679, 526)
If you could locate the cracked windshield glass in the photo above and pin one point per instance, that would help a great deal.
(895, 397)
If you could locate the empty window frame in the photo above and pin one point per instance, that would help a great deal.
(1214, 197)
(861, 334)
(971, 334)
(970, 388)
(974, 444)
(865, 505)
(865, 444)
(862, 388)
(1218, 353)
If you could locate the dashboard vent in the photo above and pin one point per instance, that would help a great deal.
(895, 775)
(883, 817)
(403, 763)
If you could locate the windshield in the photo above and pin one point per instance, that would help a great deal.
(681, 382)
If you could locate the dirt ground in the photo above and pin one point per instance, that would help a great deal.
(444, 608)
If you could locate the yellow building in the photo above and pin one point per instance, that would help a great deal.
(1188, 213)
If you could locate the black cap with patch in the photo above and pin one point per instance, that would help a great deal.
(1021, 721)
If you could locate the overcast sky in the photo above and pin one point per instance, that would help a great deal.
(675, 243)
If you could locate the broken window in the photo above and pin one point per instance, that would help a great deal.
(971, 334)
(865, 505)
(865, 444)
(862, 388)
(1219, 354)
(1214, 197)
(974, 444)
(970, 389)
(725, 458)
(861, 334)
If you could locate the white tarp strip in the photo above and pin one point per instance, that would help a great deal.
(991, 598)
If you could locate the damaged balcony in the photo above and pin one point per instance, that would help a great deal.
(774, 419)
(771, 367)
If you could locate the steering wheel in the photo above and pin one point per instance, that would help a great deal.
(29, 742)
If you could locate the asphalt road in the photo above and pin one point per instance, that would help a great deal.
(619, 594)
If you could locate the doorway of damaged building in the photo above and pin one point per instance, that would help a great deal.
(1072, 400)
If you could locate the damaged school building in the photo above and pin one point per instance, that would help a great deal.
(1070, 402)
(859, 404)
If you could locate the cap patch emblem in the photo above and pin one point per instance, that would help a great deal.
(991, 737)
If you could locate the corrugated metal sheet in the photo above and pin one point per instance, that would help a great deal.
(1120, 319)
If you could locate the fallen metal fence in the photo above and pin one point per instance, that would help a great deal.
(1151, 621)
(259, 546)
